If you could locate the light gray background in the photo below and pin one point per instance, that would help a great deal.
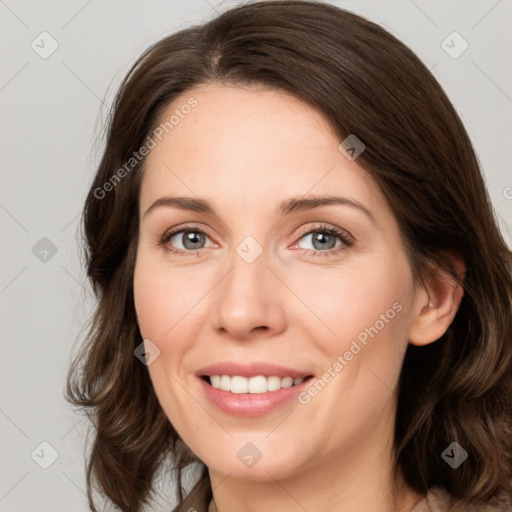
(52, 110)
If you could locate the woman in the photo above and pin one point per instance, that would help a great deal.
(302, 287)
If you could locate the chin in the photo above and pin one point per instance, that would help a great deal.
(258, 461)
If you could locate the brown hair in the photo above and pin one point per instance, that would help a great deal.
(365, 82)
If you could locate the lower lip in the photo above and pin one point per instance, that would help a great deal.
(251, 404)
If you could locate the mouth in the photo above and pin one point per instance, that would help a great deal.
(259, 384)
(253, 396)
(251, 389)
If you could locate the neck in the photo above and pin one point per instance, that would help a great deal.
(358, 477)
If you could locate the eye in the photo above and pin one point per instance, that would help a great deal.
(191, 239)
(324, 240)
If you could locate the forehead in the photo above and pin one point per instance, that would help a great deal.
(250, 146)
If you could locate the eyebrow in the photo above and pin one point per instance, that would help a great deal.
(293, 204)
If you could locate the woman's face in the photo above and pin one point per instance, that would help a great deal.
(257, 284)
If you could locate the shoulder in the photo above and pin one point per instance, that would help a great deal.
(437, 500)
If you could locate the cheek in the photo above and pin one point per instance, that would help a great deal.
(168, 303)
(349, 300)
(158, 301)
(364, 313)
(151, 304)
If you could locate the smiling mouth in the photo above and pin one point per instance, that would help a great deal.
(259, 384)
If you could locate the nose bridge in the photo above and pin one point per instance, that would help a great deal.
(247, 297)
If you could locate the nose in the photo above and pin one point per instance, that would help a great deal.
(249, 300)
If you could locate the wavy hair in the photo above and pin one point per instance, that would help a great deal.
(365, 82)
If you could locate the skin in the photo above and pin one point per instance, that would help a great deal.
(246, 149)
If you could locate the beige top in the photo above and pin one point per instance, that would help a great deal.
(437, 500)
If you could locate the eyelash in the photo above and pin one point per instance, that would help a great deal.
(346, 239)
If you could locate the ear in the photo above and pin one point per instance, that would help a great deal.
(436, 307)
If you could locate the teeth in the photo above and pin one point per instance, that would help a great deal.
(258, 384)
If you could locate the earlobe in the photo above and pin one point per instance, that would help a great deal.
(436, 307)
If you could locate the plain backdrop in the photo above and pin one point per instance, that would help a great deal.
(61, 63)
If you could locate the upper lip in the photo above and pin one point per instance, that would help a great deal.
(250, 370)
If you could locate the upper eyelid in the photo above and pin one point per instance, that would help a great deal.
(340, 232)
